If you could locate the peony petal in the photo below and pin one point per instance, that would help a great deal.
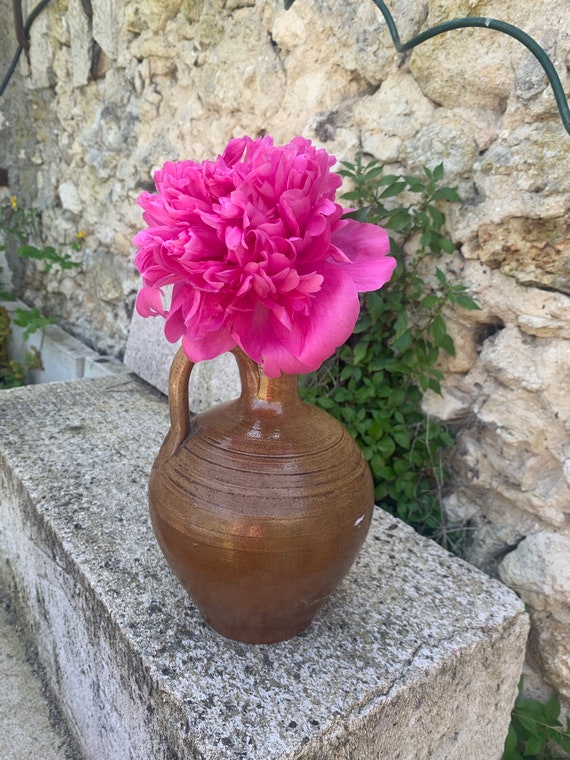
(214, 344)
(330, 322)
(235, 149)
(302, 346)
(149, 302)
(267, 349)
(366, 245)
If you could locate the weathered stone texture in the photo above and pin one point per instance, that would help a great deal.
(533, 251)
(107, 99)
(539, 570)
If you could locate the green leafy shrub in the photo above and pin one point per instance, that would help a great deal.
(21, 225)
(375, 382)
(12, 372)
(536, 731)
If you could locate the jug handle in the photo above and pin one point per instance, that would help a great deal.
(178, 401)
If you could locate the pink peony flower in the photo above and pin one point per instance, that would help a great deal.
(258, 255)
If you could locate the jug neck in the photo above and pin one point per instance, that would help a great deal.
(278, 391)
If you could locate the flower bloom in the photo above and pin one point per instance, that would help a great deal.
(258, 255)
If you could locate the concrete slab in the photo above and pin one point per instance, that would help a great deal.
(416, 656)
(149, 355)
(63, 356)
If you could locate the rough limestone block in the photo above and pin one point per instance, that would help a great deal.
(540, 571)
(416, 656)
(81, 43)
(149, 355)
(107, 26)
(41, 54)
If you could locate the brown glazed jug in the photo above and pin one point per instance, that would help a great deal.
(260, 504)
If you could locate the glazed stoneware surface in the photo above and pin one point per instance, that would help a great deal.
(260, 505)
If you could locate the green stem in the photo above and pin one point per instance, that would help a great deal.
(558, 729)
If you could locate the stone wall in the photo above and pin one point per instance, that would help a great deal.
(113, 89)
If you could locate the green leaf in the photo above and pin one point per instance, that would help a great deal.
(30, 252)
(388, 179)
(402, 342)
(529, 707)
(378, 364)
(533, 745)
(402, 438)
(414, 184)
(374, 172)
(466, 302)
(352, 195)
(562, 739)
(399, 221)
(376, 430)
(386, 446)
(359, 352)
(429, 301)
(325, 403)
(438, 329)
(350, 373)
(510, 743)
(437, 218)
(552, 709)
(393, 189)
(446, 194)
(32, 320)
(442, 279)
(421, 220)
(446, 343)
(447, 245)
(361, 214)
(364, 323)
(434, 386)
(402, 322)
(438, 173)
(529, 724)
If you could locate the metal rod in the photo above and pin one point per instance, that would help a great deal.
(23, 39)
(482, 23)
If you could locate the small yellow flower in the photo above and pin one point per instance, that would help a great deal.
(14, 202)
(81, 235)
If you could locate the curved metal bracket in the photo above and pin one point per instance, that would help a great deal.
(23, 36)
(482, 23)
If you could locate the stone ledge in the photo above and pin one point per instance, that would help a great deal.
(416, 656)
